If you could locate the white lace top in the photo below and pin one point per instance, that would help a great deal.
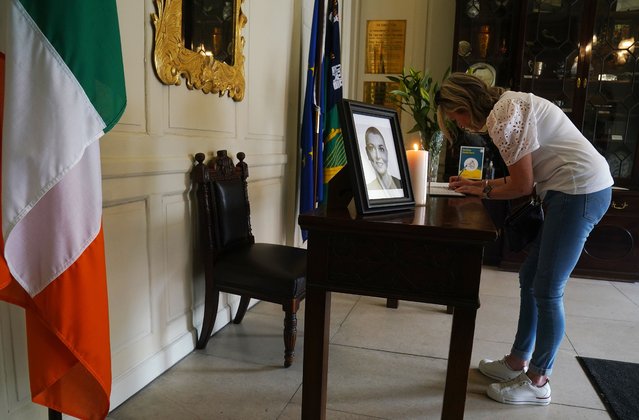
(562, 158)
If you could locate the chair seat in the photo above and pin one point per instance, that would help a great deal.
(265, 269)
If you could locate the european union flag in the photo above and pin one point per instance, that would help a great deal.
(311, 181)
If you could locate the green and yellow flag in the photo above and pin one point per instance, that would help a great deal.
(334, 154)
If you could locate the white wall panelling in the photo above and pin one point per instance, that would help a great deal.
(15, 396)
(129, 283)
(268, 59)
(133, 54)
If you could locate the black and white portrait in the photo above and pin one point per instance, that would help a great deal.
(379, 157)
(376, 157)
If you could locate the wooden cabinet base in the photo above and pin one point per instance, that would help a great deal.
(612, 250)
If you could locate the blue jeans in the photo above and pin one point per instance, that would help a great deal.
(543, 276)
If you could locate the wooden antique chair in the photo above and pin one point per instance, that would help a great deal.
(233, 262)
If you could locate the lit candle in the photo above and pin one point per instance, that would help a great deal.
(418, 169)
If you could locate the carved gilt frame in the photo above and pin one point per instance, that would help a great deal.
(200, 69)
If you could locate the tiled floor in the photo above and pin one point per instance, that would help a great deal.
(391, 363)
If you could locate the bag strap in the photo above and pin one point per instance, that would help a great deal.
(518, 202)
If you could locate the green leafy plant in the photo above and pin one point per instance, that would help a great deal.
(416, 95)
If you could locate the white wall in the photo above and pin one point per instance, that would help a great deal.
(155, 289)
(157, 297)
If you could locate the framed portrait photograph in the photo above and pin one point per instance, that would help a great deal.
(376, 157)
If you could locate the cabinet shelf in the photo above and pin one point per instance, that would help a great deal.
(623, 83)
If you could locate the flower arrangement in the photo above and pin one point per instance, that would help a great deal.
(416, 95)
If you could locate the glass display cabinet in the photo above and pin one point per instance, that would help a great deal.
(584, 56)
(611, 108)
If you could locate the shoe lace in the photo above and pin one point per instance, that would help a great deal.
(514, 382)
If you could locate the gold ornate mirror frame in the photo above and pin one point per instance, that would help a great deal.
(200, 69)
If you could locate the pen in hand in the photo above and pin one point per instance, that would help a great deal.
(457, 178)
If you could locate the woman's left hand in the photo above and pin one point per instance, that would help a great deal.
(470, 190)
(465, 186)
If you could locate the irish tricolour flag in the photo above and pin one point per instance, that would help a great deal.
(61, 89)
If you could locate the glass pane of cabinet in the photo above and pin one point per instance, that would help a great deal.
(583, 55)
(611, 110)
(551, 50)
(485, 39)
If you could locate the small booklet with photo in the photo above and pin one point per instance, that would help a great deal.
(471, 162)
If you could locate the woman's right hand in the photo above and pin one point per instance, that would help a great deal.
(458, 181)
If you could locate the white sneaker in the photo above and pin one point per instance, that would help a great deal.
(498, 369)
(520, 391)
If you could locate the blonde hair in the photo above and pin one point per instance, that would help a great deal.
(465, 92)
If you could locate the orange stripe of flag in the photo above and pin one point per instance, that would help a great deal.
(66, 323)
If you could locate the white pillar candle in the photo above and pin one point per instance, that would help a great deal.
(420, 215)
(418, 169)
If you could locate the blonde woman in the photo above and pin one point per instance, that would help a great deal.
(546, 152)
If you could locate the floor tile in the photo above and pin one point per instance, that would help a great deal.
(604, 338)
(499, 283)
(412, 328)
(480, 407)
(382, 384)
(258, 339)
(598, 299)
(391, 363)
(216, 388)
(631, 290)
(293, 411)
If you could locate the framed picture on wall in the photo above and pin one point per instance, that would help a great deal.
(376, 157)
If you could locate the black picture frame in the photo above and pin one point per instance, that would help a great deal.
(369, 194)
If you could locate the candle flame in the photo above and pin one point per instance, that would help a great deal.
(415, 146)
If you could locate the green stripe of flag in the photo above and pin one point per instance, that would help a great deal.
(91, 28)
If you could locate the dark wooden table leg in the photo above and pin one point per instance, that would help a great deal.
(392, 303)
(316, 332)
(461, 348)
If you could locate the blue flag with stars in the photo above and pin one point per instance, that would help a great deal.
(311, 148)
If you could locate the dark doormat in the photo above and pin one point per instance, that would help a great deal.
(617, 384)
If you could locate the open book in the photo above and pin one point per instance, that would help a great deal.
(441, 188)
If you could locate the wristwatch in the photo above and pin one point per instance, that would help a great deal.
(487, 189)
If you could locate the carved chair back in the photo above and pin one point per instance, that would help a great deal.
(224, 211)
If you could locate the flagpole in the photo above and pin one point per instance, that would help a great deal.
(319, 52)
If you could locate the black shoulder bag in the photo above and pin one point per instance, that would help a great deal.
(522, 224)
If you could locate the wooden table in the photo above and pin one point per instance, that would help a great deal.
(432, 254)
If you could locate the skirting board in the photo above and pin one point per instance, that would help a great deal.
(143, 374)
(127, 385)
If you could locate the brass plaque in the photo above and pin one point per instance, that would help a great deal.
(385, 45)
